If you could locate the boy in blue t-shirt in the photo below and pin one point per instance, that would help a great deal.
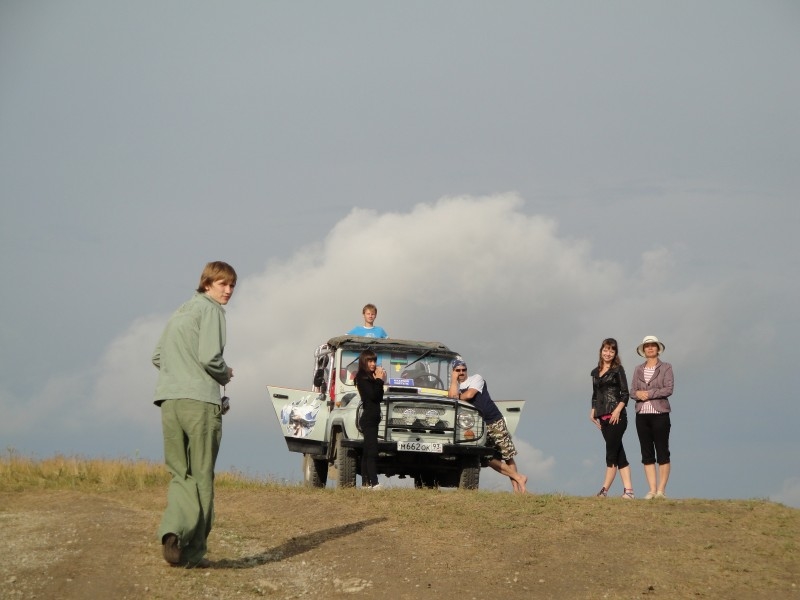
(369, 329)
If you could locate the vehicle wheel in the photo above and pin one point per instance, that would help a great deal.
(345, 464)
(315, 471)
(470, 475)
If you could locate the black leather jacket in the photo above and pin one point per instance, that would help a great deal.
(609, 390)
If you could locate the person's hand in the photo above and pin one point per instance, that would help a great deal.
(454, 385)
(594, 419)
(614, 417)
(380, 373)
(230, 373)
(642, 395)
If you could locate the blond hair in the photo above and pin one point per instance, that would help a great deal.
(216, 271)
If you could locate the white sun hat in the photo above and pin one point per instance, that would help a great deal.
(649, 339)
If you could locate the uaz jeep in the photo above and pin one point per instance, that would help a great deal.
(423, 434)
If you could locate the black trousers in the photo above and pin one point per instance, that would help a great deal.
(653, 432)
(612, 434)
(369, 458)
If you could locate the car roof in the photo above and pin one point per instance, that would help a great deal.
(389, 344)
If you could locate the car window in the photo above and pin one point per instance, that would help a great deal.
(411, 369)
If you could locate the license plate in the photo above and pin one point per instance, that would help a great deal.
(420, 447)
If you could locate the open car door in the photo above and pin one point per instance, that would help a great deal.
(512, 411)
(302, 416)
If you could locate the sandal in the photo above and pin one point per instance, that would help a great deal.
(627, 494)
(602, 493)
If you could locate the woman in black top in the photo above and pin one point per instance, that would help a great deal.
(609, 399)
(369, 382)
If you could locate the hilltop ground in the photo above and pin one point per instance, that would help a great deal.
(291, 542)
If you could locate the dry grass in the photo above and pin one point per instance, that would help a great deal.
(291, 541)
(77, 473)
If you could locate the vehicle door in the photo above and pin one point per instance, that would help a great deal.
(302, 416)
(512, 411)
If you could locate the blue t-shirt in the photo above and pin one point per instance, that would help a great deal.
(373, 332)
(482, 400)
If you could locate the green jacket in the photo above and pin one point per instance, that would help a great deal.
(189, 354)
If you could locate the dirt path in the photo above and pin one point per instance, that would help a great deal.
(299, 543)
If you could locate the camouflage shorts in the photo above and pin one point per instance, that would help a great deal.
(500, 439)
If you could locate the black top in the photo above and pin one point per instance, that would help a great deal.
(371, 391)
(609, 390)
(485, 405)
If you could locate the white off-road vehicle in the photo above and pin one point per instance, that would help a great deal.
(423, 434)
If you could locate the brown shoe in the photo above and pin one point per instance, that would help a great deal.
(171, 549)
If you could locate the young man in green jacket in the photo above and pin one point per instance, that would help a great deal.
(191, 370)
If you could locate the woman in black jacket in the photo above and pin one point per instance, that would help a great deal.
(609, 400)
(369, 382)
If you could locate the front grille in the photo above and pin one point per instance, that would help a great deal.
(403, 415)
(436, 417)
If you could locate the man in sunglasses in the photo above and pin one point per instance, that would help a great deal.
(473, 389)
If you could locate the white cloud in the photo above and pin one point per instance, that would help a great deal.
(61, 400)
(460, 264)
(455, 269)
(526, 306)
(700, 226)
(789, 494)
(531, 462)
(123, 390)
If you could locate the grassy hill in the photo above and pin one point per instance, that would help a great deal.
(74, 528)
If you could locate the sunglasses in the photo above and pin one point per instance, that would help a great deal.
(460, 370)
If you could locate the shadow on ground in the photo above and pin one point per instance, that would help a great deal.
(295, 546)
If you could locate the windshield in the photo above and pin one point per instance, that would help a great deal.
(412, 369)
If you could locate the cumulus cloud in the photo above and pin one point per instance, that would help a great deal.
(526, 306)
(60, 400)
(789, 494)
(470, 272)
(531, 462)
(124, 386)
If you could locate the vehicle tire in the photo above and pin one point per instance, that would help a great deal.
(470, 475)
(315, 471)
(346, 464)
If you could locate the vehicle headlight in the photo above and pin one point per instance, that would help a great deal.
(466, 420)
(409, 416)
(432, 418)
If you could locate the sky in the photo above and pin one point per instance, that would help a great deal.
(517, 180)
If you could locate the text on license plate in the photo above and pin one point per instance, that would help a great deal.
(419, 446)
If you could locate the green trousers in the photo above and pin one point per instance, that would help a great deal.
(192, 435)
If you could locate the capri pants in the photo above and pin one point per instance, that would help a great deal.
(612, 434)
(653, 432)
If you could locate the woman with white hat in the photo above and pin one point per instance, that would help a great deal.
(651, 388)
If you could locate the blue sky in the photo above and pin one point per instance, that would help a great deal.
(516, 180)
